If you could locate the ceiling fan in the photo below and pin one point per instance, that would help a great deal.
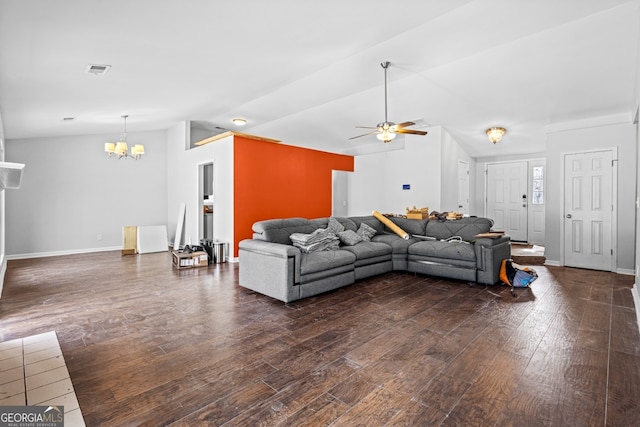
(386, 131)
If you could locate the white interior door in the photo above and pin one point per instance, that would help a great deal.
(463, 187)
(340, 194)
(588, 210)
(506, 201)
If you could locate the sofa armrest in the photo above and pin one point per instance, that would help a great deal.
(489, 256)
(272, 269)
(485, 241)
(277, 250)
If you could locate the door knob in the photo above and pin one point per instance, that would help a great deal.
(568, 215)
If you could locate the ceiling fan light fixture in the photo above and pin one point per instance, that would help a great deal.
(495, 134)
(386, 131)
(386, 135)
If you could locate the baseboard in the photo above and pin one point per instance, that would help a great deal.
(60, 253)
(3, 270)
(636, 302)
(625, 271)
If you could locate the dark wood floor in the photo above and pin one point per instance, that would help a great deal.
(149, 345)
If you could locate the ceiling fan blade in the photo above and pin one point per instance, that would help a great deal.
(366, 127)
(412, 131)
(364, 134)
(404, 125)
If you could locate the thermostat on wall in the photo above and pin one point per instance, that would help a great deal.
(406, 186)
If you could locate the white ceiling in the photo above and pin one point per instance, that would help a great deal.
(307, 73)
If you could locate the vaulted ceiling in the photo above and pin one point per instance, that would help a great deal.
(307, 73)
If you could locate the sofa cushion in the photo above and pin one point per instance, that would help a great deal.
(364, 250)
(349, 237)
(335, 226)
(466, 228)
(397, 243)
(456, 250)
(279, 230)
(411, 226)
(370, 220)
(366, 232)
(325, 260)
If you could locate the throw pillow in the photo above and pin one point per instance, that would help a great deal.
(335, 226)
(349, 237)
(366, 232)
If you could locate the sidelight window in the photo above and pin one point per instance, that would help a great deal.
(538, 185)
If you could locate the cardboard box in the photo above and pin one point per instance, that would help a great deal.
(417, 215)
(182, 260)
(200, 259)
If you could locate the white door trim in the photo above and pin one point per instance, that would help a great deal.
(464, 209)
(614, 202)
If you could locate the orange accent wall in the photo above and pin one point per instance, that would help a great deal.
(274, 180)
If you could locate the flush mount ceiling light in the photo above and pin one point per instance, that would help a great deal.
(120, 148)
(495, 134)
(239, 121)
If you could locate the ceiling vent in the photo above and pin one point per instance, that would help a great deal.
(98, 70)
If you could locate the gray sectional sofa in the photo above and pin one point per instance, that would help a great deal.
(271, 265)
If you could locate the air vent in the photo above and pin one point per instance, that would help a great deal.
(98, 70)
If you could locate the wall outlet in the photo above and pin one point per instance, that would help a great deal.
(99, 237)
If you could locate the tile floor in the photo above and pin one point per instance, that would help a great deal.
(33, 372)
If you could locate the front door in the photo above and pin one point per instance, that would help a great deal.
(588, 210)
(507, 199)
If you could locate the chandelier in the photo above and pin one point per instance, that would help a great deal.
(120, 149)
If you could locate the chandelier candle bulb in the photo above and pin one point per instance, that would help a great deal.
(121, 148)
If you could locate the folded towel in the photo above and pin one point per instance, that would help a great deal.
(320, 240)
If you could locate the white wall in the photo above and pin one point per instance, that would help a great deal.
(452, 152)
(428, 164)
(3, 258)
(72, 192)
(182, 173)
(621, 136)
(377, 180)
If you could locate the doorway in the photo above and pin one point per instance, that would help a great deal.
(340, 193)
(515, 199)
(206, 200)
(463, 187)
(506, 198)
(589, 210)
